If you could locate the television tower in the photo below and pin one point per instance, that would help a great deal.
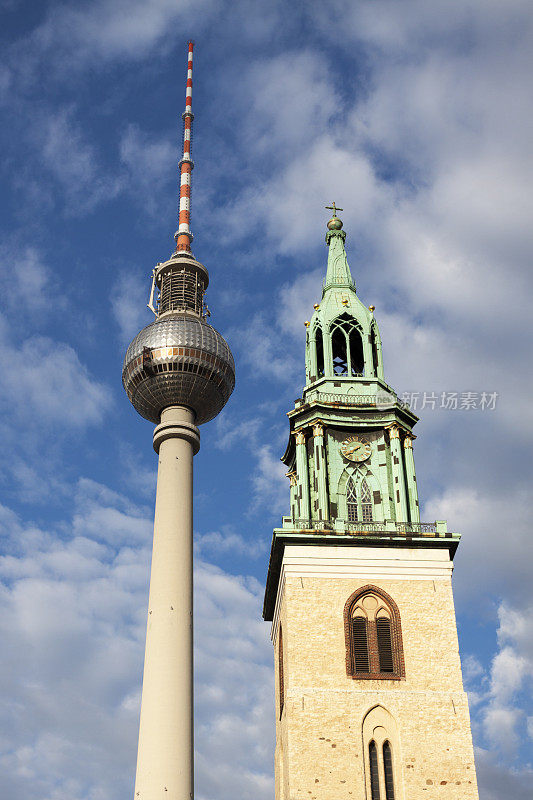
(178, 372)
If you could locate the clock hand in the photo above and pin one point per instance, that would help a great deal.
(349, 452)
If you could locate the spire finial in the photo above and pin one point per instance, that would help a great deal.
(333, 208)
(334, 224)
(338, 272)
(183, 235)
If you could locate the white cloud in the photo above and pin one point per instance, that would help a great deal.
(27, 282)
(232, 431)
(112, 30)
(78, 606)
(501, 700)
(129, 297)
(150, 163)
(72, 160)
(228, 541)
(44, 380)
(293, 96)
(498, 783)
(270, 486)
(495, 551)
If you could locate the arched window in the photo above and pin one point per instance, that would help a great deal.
(374, 770)
(373, 636)
(351, 501)
(357, 359)
(389, 776)
(339, 348)
(358, 503)
(347, 347)
(281, 677)
(366, 502)
(380, 743)
(319, 344)
(374, 346)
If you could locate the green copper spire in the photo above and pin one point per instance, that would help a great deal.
(338, 273)
(349, 457)
(343, 339)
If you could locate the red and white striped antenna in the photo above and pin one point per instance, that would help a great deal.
(183, 235)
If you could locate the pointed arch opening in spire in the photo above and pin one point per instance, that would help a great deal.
(347, 347)
(357, 359)
(339, 348)
(374, 347)
(319, 349)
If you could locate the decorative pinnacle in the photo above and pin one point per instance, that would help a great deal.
(183, 235)
(334, 224)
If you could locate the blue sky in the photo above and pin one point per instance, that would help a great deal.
(414, 117)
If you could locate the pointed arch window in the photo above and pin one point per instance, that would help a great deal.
(319, 346)
(358, 503)
(373, 636)
(389, 775)
(357, 359)
(347, 347)
(366, 502)
(374, 770)
(351, 501)
(381, 741)
(339, 348)
(374, 347)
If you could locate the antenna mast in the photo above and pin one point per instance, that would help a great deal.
(183, 235)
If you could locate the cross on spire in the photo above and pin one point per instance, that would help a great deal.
(334, 208)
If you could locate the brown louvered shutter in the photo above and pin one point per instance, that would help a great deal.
(389, 779)
(374, 774)
(383, 629)
(360, 645)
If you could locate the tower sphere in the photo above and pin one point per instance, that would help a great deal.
(178, 359)
(335, 224)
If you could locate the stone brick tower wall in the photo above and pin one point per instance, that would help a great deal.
(329, 718)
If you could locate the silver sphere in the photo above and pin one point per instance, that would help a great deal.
(187, 363)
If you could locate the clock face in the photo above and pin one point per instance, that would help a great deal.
(355, 449)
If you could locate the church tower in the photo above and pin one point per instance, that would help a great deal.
(369, 695)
